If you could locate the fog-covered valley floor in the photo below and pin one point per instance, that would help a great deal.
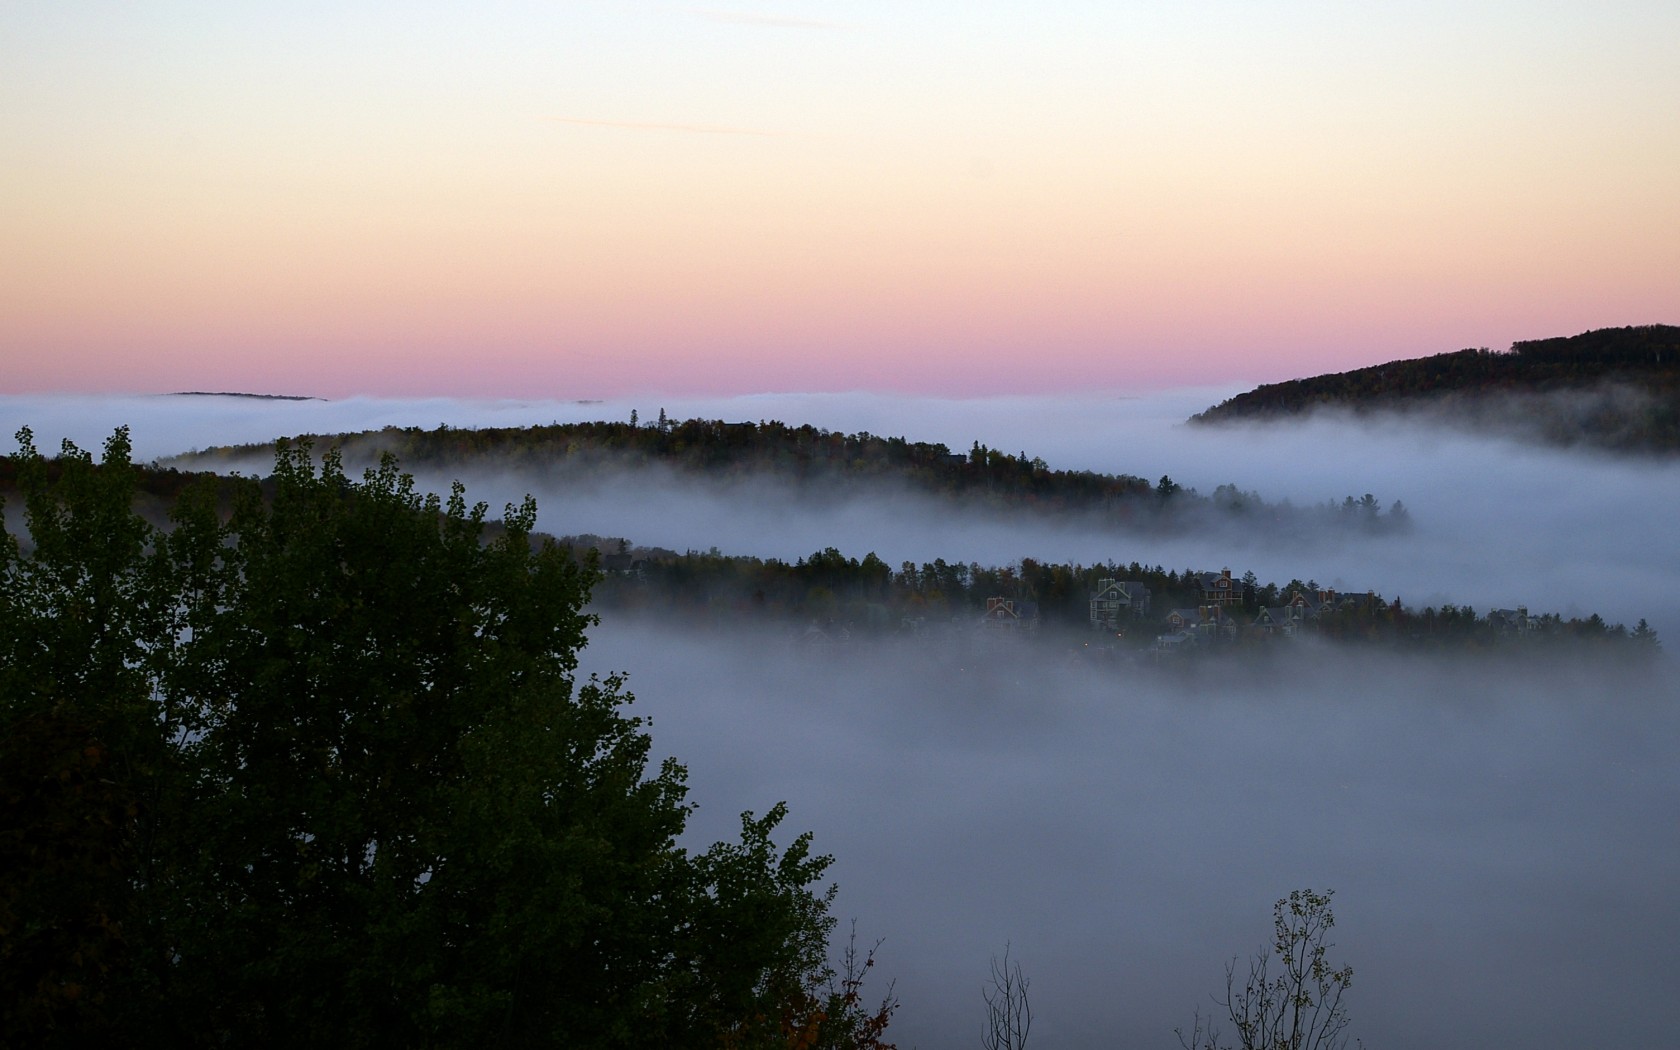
(1500, 836)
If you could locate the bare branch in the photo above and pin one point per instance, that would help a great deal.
(1299, 1009)
(1008, 1013)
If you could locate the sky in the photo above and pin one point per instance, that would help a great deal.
(598, 199)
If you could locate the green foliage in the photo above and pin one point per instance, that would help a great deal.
(78, 750)
(318, 770)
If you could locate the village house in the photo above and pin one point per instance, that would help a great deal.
(1174, 643)
(1206, 622)
(1282, 620)
(1002, 614)
(1116, 601)
(1303, 607)
(1511, 621)
(1218, 588)
(1182, 620)
(823, 639)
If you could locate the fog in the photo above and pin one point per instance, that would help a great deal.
(1501, 837)
(1498, 523)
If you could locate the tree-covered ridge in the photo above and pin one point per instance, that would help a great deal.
(1615, 388)
(938, 600)
(823, 464)
(726, 450)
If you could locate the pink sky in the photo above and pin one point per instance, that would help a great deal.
(934, 198)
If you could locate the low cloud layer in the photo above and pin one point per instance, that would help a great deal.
(1498, 836)
(1498, 523)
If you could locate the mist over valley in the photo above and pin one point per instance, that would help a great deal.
(1497, 833)
(1497, 828)
(1497, 521)
(527, 524)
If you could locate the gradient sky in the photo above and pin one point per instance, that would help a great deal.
(587, 199)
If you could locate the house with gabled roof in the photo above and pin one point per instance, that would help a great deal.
(1280, 620)
(1182, 620)
(1218, 588)
(1306, 607)
(822, 639)
(1116, 601)
(1002, 614)
(1514, 621)
(1206, 621)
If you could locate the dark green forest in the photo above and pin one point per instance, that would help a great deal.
(824, 465)
(853, 599)
(1611, 388)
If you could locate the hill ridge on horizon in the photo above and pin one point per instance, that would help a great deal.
(240, 393)
(1615, 389)
(821, 463)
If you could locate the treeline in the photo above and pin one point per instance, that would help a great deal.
(156, 489)
(1615, 388)
(869, 597)
(823, 464)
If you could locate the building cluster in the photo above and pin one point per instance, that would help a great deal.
(1219, 616)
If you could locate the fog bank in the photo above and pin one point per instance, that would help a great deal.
(1500, 837)
(1500, 840)
(1498, 523)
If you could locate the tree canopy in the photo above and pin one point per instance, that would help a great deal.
(313, 765)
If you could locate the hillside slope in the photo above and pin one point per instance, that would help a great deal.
(824, 467)
(1612, 388)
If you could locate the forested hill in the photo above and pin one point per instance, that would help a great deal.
(821, 465)
(1616, 388)
(716, 449)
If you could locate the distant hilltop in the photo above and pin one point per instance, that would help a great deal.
(231, 393)
(1611, 388)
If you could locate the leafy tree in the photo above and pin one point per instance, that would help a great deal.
(1299, 1008)
(78, 748)
(317, 769)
